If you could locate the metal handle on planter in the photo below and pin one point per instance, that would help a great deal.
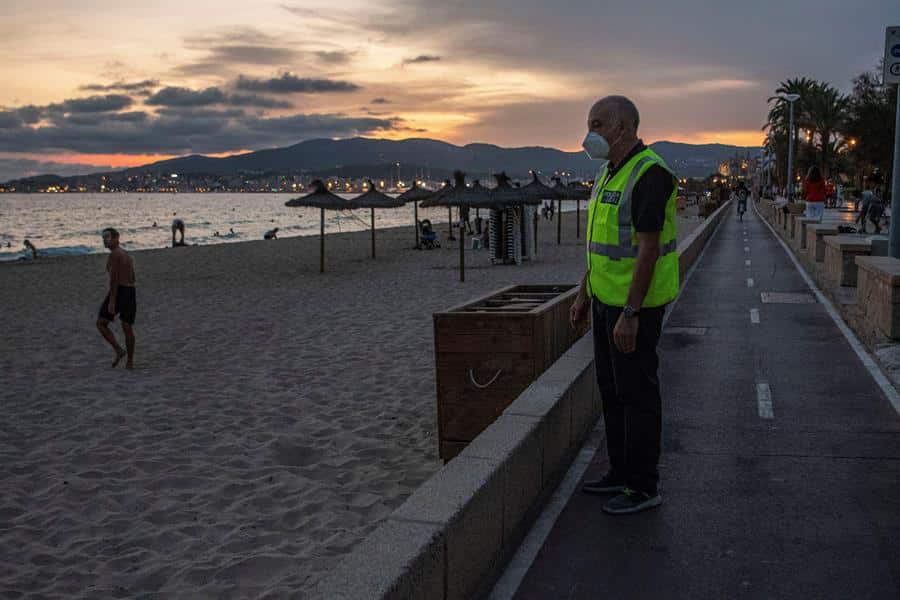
(488, 384)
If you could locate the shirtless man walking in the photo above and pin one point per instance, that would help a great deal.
(120, 299)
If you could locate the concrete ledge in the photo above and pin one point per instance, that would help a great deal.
(453, 534)
(815, 244)
(840, 258)
(878, 293)
(803, 224)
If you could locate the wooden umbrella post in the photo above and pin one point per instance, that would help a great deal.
(577, 218)
(535, 231)
(373, 233)
(450, 223)
(322, 241)
(559, 222)
(462, 254)
(416, 222)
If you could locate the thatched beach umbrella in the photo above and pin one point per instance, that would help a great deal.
(324, 200)
(536, 190)
(579, 191)
(460, 195)
(415, 194)
(373, 199)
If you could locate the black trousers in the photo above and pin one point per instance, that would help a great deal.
(632, 405)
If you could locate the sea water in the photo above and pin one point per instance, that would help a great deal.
(64, 224)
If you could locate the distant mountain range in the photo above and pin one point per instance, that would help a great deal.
(357, 157)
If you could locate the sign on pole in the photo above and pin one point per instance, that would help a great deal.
(892, 76)
(892, 56)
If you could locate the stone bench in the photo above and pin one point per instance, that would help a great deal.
(840, 257)
(878, 293)
(802, 223)
(815, 244)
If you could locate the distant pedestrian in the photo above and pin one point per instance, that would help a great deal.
(740, 194)
(177, 227)
(120, 298)
(814, 194)
(464, 219)
(871, 206)
(29, 246)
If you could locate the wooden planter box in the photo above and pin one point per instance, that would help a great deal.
(489, 350)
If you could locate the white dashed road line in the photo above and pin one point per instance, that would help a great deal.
(764, 401)
(754, 315)
(747, 263)
(749, 282)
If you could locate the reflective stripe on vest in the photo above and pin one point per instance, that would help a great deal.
(614, 252)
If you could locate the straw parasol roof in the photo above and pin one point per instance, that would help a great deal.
(460, 195)
(578, 191)
(321, 197)
(507, 195)
(375, 199)
(536, 190)
(414, 194)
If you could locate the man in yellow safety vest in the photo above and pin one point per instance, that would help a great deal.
(632, 275)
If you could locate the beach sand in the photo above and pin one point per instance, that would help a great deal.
(274, 417)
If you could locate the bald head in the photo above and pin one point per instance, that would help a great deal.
(613, 111)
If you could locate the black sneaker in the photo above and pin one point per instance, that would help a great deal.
(631, 501)
(606, 485)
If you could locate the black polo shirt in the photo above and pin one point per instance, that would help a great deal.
(650, 194)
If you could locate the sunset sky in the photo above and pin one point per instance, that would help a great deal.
(105, 83)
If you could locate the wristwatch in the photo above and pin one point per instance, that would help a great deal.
(629, 312)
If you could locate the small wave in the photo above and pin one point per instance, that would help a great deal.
(48, 252)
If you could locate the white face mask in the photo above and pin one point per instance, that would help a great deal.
(596, 146)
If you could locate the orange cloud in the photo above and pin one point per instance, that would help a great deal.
(750, 137)
(117, 161)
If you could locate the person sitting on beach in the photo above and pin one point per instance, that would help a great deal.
(120, 299)
(271, 234)
(30, 246)
(178, 225)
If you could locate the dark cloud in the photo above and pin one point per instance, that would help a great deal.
(31, 114)
(380, 100)
(179, 96)
(256, 101)
(252, 55)
(92, 104)
(121, 86)
(334, 57)
(190, 112)
(181, 130)
(202, 69)
(10, 120)
(422, 58)
(288, 84)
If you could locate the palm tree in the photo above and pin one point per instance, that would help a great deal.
(778, 119)
(825, 110)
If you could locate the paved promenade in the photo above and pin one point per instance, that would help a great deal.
(780, 471)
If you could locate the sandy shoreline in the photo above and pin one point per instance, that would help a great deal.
(275, 415)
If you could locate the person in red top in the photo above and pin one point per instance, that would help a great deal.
(829, 193)
(814, 193)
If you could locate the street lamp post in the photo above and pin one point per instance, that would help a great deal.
(791, 98)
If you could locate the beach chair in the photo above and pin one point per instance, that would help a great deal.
(427, 237)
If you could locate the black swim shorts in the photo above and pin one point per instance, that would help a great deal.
(126, 305)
